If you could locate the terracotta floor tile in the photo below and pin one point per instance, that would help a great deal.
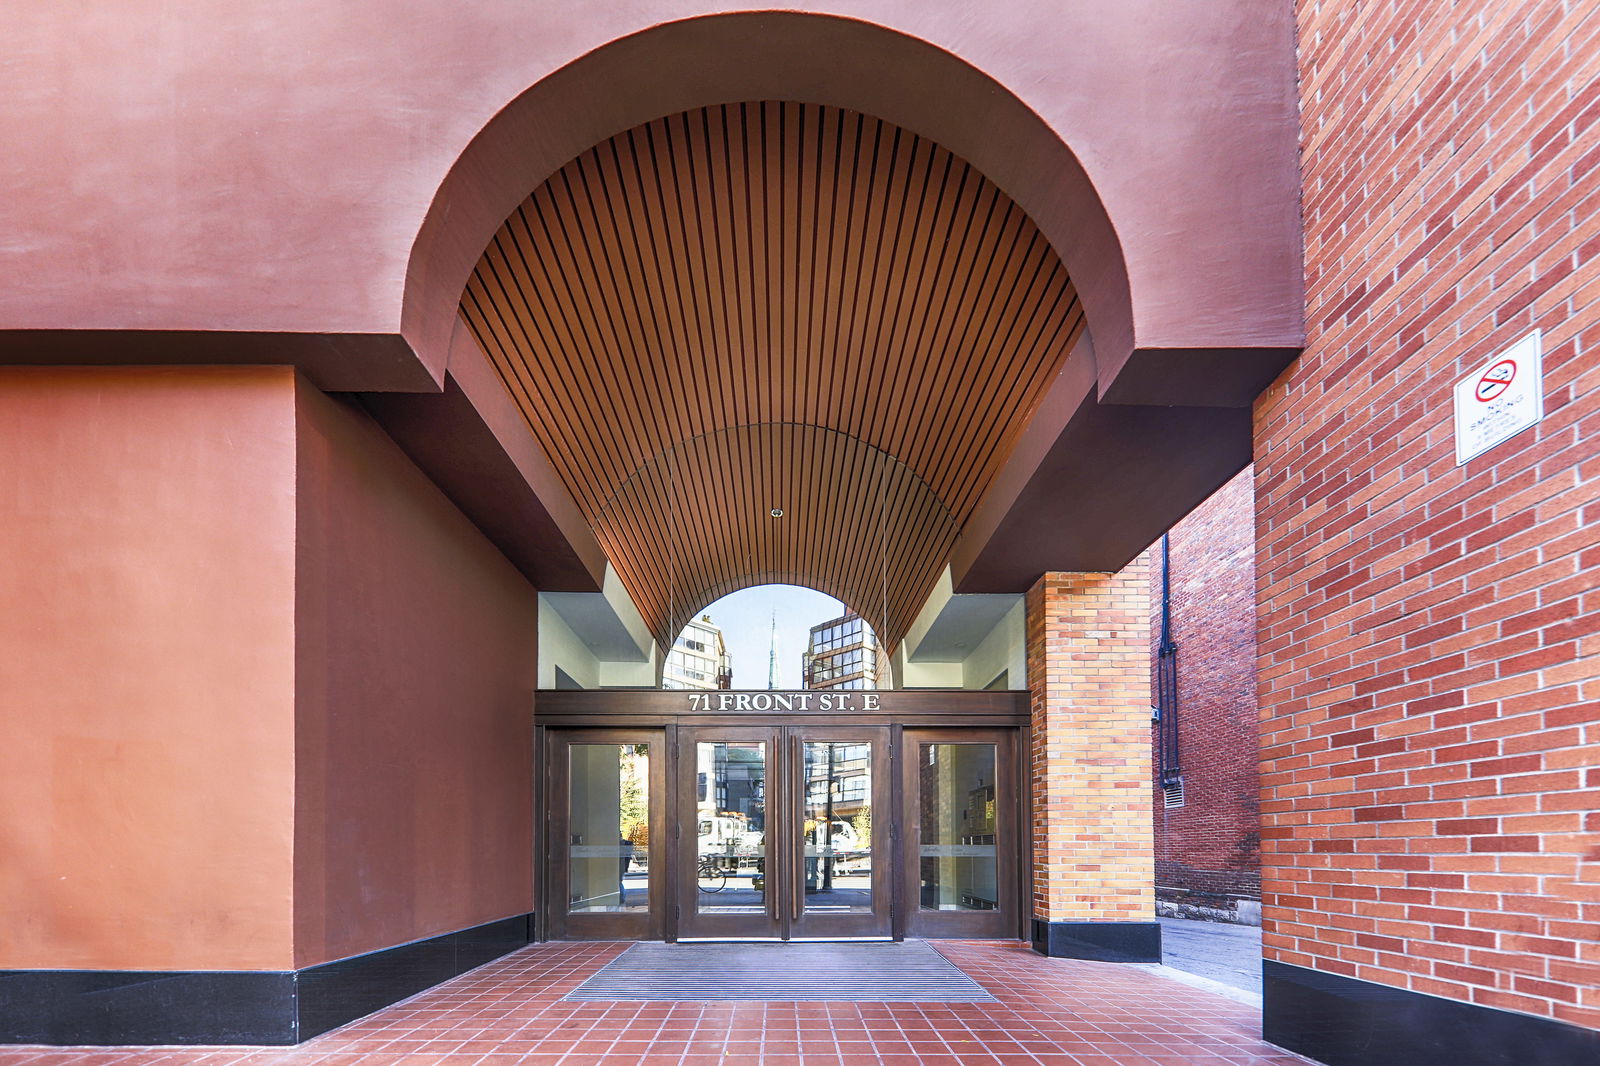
(1050, 1012)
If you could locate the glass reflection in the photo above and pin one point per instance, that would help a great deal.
(958, 859)
(731, 836)
(608, 804)
(837, 820)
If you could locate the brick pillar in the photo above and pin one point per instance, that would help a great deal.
(1093, 853)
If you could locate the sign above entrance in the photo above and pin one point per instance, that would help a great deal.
(734, 702)
(1499, 399)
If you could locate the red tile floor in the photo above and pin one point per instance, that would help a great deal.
(1051, 1012)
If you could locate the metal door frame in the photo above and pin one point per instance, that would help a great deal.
(1004, 921)
(559, 923)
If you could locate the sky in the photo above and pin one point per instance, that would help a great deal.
(746, 619)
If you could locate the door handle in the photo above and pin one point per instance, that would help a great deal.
(797, 811)
(799, 885)
(771, 837)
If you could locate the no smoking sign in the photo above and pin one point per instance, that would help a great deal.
(1499, 399)
(1495, 380)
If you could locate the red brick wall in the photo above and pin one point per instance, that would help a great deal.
(1430, 633)
(1091, 756)
(1208, 851)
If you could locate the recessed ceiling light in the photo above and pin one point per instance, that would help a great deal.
(776, 512)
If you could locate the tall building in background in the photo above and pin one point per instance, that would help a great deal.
(699, 659)
(844, 653)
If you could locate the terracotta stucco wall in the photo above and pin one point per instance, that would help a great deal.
(140, 203)
(146, 677)
(415, 670)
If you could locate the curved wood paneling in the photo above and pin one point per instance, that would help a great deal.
(848, 509)
(773, 305)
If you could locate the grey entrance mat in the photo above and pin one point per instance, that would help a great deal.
(907, 972)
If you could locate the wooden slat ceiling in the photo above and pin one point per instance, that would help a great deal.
(773, 305)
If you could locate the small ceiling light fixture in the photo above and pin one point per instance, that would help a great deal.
(776, 512)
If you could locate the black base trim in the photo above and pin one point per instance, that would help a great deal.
(1344, 1021)
(130, 1007)
(98, 1007)
(338, 992)
(1098, 941)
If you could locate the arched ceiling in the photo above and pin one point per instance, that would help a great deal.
(773, 305)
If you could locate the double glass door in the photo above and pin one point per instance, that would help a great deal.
(782, 839)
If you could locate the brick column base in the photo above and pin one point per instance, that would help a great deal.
(1093, 843)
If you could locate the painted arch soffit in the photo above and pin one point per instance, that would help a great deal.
(773, 305)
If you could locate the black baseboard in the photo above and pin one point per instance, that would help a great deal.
(128, 1007)
(338, 992)
(1344, 1021)
(97, 1007)
(1098, 941)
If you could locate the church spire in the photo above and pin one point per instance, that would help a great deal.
(772, 656)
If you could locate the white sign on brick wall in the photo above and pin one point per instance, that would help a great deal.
(1499, 399)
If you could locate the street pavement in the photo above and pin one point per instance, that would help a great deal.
(1219, 951)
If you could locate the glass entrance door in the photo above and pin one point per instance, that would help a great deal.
(840, 781)
(726, 867)
(784, 838)
(960, 833)
(606, 835)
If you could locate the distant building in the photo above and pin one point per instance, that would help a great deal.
(1206, 781)
(699, 659)
(844, 653)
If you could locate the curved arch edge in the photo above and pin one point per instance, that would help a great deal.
(722, 58)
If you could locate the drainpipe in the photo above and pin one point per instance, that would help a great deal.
(1167, 676)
